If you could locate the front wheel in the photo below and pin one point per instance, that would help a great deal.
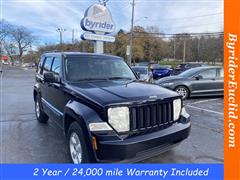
(183, 91)
(77, 144)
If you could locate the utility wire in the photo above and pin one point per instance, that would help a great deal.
(176, 37)
(159, 33)
(188, 17)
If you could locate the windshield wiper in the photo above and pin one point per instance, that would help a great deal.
(91, 79)
(132, 80)
(103, 79)
(118, 77)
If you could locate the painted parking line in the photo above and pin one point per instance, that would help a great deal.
(202, 109)
(203, 101)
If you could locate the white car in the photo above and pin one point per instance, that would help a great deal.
(5, 62)
(143, 72)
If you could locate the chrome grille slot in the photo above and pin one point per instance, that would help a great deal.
(149, 116)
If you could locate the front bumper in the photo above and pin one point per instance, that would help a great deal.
(144, 146)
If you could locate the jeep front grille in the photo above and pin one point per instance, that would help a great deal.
(143, 117)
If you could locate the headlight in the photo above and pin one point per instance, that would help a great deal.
(177, 107)
(167, 84)
(118, 117)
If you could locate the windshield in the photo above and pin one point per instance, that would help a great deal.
(140, 70)
(80, 68)
(189, 73)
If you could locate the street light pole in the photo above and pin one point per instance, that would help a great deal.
(60, 30)
(184, 50)
(198, 50)
(73, 36)
(174, 49)
(131, 37)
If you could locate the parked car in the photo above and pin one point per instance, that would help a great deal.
(28, 65)
(153, 65)
(200, 81)
(5, 62)
(25, 65)
(185, 66)
(143, 72)
(16, 63)
(144, 63)
(161, 71)
(104, 111)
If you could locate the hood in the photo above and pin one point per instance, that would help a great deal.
(111, 92)
(169, 79)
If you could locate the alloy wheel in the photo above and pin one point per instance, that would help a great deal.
(75, 148)
(182, 91)
(37, 109)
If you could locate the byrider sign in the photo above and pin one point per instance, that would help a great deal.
(98, 20)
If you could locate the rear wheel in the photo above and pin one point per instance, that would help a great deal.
(183, 91)
(40, 115)
(77, 144)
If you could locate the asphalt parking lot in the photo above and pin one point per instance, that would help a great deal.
(24, 140)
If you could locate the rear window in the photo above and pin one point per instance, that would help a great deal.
(221, 72)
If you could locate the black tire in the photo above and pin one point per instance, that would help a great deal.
(75, 129)
(40, 115)
(183, 91)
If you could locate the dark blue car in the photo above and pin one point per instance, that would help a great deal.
(161, 71)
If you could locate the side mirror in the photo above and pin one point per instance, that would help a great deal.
(198, 77)
(49, 78)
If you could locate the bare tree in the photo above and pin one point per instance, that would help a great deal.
(17, 37)
(22, 38)
(3, 34)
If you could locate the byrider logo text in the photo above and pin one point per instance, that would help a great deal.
(93, 25)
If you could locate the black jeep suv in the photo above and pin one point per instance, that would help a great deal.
(106, 113)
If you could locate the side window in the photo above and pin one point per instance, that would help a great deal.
(56, 65)
(195, 65)
(47, 64)
(192, 65)
(39, 68)
(210, 73)
(221, 72)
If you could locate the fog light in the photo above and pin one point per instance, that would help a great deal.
(100, 126)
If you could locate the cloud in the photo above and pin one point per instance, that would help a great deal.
(182, 16)
(176, 16)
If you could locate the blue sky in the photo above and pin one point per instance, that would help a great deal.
(42, 17)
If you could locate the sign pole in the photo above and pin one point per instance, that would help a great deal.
(98, 47)
(131, 36)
